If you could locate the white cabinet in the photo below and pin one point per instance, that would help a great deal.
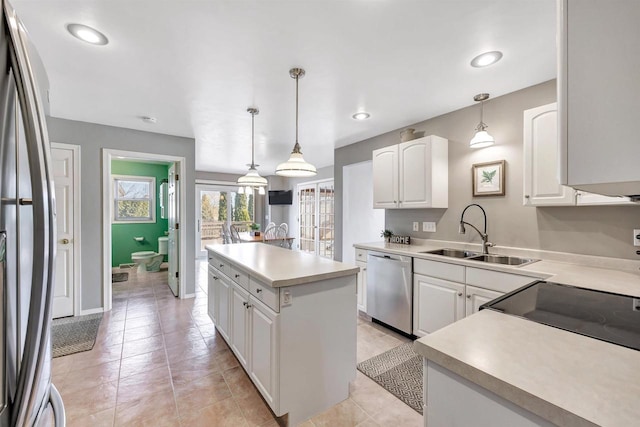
(437, 303)
(222, 293)
(414, 174)
(478, 296)
(263, 366)
(211, 289)
(541, 176)
(599, 99)
(239, 337)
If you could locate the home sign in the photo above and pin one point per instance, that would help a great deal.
(405, 240)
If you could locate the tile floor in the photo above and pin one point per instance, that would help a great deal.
(159, 362)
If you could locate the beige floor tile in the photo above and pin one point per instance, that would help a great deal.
(100, 419)
(307, 423)
(188, 350)
(344, 414)
(370, 423)
(143, 362)
(255, 409)
(97, 356)
(187, 370)
(146, 331)
(142, 384)
(196, 395)
(181, 338)
(149, 409)
(372, 397)
(141, 346)
(89, 401)
(398, 414)
(141, 321)
(225, 413)
(238, 382)
(226, 359)
(93, 376)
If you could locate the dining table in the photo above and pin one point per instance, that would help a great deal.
(249, 238)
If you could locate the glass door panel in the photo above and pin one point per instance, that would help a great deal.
(316, 218)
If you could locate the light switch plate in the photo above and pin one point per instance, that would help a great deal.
(429, 226)
(636, 237)
(416, 226)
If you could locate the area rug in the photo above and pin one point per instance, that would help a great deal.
(74, 334)
(399, 371)
(119, 277)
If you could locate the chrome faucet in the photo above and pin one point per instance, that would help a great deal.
(485, 243)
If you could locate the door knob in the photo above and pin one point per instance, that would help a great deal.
(65, 241)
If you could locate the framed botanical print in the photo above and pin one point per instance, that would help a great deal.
(488, 178)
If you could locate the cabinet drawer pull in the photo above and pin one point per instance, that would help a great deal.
(469, 296)
(221, 265)
(459, 294)
(215, 277)
(237, 275)
(249, 306)
(245, 303)
(258, 290)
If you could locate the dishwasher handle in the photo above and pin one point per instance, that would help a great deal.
(376, 256)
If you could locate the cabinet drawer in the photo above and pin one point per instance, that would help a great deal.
(496, 280)
(361, 255)
(221, 265)
(268, 295)
(441, 270)
(239, 277)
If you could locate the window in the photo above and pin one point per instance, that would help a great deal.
(134, 199)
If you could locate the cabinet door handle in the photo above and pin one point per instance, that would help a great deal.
(215, 277)
(459, 294)
(249, 306)
(469, 296)
(237, 275)
(526, 196)
(221, 265)
(258, 290)
(245, 303)
(364, 268)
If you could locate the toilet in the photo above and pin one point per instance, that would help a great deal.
(147, 261)
(150, 260)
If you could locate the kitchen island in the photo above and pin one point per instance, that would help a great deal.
(290, 319)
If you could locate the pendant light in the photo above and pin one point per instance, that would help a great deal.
(252, 179)
(482, 138)
(296, 166)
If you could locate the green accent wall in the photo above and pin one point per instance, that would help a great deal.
(122, 235)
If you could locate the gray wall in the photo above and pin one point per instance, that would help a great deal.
(598, 230)
(93, 138)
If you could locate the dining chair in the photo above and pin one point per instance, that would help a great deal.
(285, 226)
(235, 236)
(270, 232)
(226, 234)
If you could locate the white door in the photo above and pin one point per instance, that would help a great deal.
(65, 178)
(478, 296)
(385, 177)
(174, 234)
(316, 219)
(438, 304)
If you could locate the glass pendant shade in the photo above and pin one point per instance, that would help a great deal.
(482, 138)
(252, 178)
(296, 166)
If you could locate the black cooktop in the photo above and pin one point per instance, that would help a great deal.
(606, 316)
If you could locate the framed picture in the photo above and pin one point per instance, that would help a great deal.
(488, 178)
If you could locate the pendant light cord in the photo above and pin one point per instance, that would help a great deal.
(253, 117)
(296, 147)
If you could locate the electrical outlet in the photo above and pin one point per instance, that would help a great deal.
(636, 237)
(286, 298)
(416, 226)
(429, 226)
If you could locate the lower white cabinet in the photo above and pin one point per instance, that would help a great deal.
(437, 303)
(222, 293)
(361, 288)
(263, 348)
(211, 286)
(239, 336)
(478, 296)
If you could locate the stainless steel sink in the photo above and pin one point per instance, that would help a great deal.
(454, 253)
(502, 259)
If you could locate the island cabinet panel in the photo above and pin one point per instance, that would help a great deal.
(239, 324)
(296, 342)
(211, 286)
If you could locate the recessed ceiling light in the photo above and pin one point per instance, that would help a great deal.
(87, 34)
(361, 116)
(485, 59)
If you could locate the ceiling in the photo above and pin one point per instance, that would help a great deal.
(197, 65)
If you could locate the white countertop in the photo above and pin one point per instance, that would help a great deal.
(566, 378)
(279, 267)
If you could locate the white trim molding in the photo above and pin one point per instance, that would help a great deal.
(107, 156)
(92, 311)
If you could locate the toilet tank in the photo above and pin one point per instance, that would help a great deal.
(163, 245)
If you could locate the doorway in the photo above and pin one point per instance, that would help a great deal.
(178, 198)
(219, 206)
(316, 219)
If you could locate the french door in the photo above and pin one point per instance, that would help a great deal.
(218, 205)
(316, 219)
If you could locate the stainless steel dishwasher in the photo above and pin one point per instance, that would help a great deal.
(390, 290)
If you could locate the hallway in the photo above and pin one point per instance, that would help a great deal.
(158, 361)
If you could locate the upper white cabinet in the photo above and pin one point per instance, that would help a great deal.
(414, 174)
(542, 165)
(599, 95)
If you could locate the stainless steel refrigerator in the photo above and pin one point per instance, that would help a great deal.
(27, 234)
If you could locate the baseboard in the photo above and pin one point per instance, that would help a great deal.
(91, 311)
(189, 296)
(129, 265)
